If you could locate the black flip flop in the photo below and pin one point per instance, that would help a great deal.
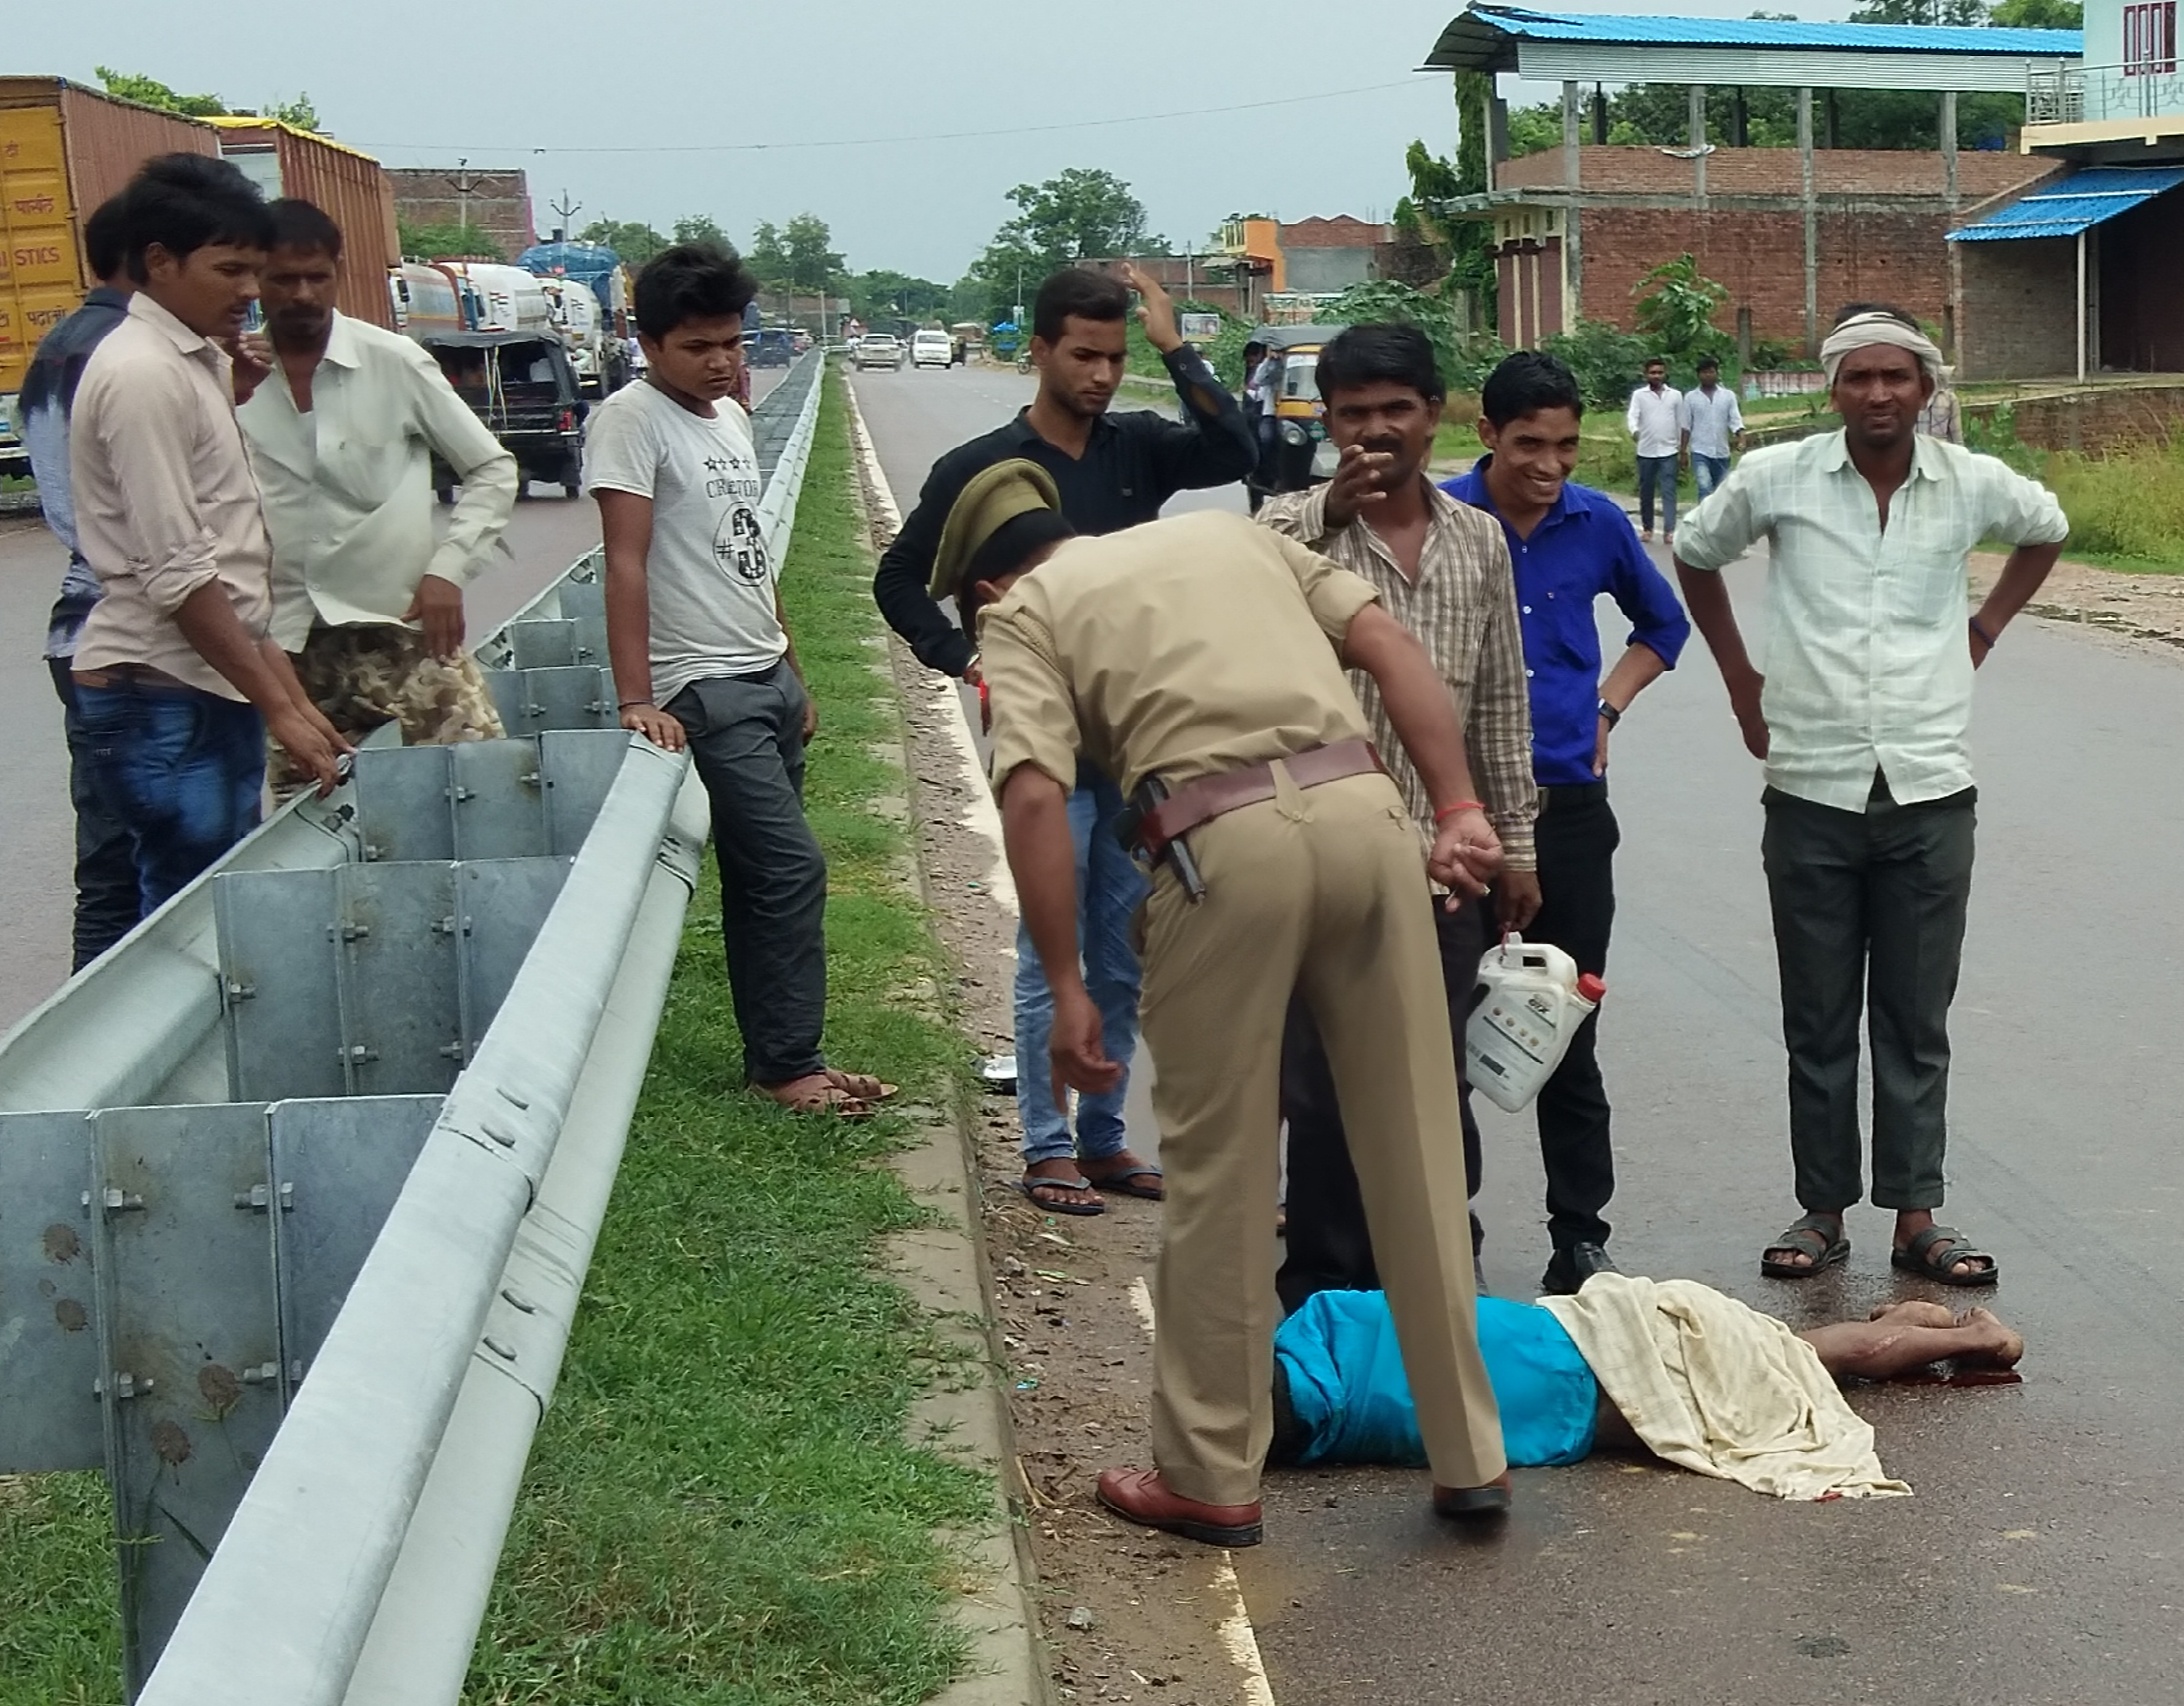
(1920, 1257)
(1817, 1236)
(1026, 1185)
(1119, 1184)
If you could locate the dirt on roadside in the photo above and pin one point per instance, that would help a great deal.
(1127, 1614)
(2139, 606)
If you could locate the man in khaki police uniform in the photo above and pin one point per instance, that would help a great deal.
(1209, 654)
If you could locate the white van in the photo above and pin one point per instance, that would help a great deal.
(931, 349)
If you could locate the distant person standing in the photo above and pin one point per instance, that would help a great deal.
(1112, 470)
(702, 658)
(1860, 721)
(107, 903)
(1713, 427)
(1655, 420)
(1570, 546)
(366, 600)
(177, 681)
(1943, 416)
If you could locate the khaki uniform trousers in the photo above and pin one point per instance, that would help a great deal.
(1320, 891)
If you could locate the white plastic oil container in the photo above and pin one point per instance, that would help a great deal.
(1535, 999)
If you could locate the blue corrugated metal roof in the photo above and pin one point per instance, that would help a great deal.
(1526, 24)
(2073, 204)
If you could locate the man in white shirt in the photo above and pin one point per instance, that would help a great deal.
(702, 657)
(342, 436)
(1861, 720)
(1655, 420)
(1713, 428)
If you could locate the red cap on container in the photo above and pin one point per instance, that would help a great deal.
(1591, 988)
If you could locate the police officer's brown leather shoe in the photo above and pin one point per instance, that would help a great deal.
(1143, 1497)
(1468, 1504)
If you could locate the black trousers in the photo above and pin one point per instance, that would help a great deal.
(747, 742)
(108, 902)
(1577, 837)
(1327, 1245)
(1868, 915)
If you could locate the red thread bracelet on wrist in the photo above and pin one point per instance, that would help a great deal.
(1447, 812)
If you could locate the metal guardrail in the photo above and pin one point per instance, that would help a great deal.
(2074, 94)
(299, 1184)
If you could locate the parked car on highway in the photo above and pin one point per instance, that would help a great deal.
(878, 349)
(773, 346)
(931, 349)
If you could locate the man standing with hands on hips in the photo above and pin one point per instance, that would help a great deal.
(1111, 471)
(1860, 721)
(1568, 545)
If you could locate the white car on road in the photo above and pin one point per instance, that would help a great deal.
(931, 349)
(878, 349)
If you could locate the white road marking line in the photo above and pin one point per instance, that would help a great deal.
(980, 815)
(1236, 1635)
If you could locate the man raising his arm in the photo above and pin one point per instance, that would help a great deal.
(1860, 721)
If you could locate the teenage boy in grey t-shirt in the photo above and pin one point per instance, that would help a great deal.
(702, 657)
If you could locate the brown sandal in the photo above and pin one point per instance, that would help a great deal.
(861, 1085)
(821, 1096)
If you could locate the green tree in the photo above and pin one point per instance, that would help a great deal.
(1958, 12)
(882, 294)
(1007, 273)
(634, 241)
(2038, 15)
(701, 228)
(1078, 215)
(812, 265)
(151, 92)
(768, 256)
(444, 241)
(298, 112)
(1676, 307)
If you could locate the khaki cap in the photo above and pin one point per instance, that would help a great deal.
(991, 497)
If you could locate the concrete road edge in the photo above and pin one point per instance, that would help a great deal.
(944, 1267)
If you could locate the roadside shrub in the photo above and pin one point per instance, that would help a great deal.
(2127, 504)
(1609, 362)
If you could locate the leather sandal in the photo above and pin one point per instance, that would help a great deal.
(1921, 1257)
(1817, 1237)
(1141, 1496)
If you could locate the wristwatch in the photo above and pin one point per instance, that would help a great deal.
(1612, 715)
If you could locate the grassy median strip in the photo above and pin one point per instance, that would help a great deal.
(722, 1507)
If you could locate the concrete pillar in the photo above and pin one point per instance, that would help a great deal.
(1573, 289)
(1949, 149)
(1834, 118)
(1497, 137)
(1740, 121)
(1812, 222)
(1599, 116)
(1570, 140)
(1698, 143)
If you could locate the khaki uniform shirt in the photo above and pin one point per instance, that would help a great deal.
(165, 498)
(1463, 609)
(1180, 648)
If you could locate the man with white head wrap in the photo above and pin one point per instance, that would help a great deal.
(1860, 720)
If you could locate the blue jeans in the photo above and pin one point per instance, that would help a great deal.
(1109, 888)
(182, 771)
(1708, 471)
(1657, 472)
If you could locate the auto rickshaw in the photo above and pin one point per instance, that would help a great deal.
(1297, 453)
(521, 385)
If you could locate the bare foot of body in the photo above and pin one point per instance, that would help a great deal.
(1900, 1337)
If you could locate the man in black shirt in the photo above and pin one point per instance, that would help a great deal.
(1113, 471)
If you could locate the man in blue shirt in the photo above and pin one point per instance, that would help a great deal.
(107, 902)
(1568, 545)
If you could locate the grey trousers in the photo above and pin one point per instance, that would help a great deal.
(1868, 912)
(747, 740)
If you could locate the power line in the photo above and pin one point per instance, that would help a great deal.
(897, 141)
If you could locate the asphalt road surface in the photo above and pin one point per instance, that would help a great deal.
(546, 534)
(2041, 1560)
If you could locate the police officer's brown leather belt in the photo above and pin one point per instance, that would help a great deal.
(1209, 797)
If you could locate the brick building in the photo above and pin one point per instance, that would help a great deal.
(496, 203)
(1793, 232)
(1881, 218)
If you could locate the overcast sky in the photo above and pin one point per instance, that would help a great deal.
(859, 107)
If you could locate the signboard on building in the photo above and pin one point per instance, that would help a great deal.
(1199, 328)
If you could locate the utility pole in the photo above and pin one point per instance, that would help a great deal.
(465, 182)
(566, 211)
